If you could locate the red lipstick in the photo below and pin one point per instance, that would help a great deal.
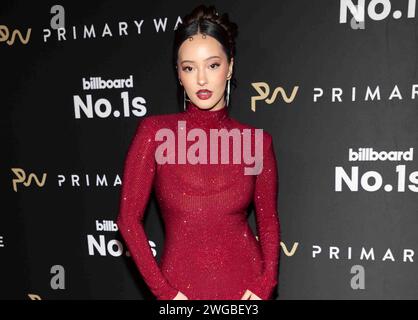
(204, 94)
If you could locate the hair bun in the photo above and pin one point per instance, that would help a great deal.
(210, 13)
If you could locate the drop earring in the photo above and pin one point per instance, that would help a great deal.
(227, 93)
(184, 99)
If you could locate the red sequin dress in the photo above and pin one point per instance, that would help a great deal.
(210, 251)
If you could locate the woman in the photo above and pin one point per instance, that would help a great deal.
(210, 251)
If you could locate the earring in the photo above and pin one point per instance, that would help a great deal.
(227, 93)
(184, 99)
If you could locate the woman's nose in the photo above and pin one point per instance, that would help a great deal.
(201, 78)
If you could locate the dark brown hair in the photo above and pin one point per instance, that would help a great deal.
(207, 20)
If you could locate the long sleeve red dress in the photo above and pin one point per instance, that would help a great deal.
(210, 251)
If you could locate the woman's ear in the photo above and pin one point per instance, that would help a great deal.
(179, 77)
(231, 67)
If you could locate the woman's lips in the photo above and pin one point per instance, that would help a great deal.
(204, 94)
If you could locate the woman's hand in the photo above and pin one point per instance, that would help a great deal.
(248, 295)
(180, 296)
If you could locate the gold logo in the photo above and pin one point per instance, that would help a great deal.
(21, 178)
(291, 252)
(5, 33)
(263, 89)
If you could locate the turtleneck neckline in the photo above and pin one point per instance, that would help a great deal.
(206, 116)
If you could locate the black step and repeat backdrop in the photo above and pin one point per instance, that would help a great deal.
(334, 81)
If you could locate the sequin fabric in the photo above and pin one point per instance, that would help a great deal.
(210, 251)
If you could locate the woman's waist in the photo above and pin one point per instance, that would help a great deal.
(220, 245)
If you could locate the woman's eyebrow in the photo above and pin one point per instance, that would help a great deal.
(205, 59)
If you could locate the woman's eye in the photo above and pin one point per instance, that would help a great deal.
(212, 66)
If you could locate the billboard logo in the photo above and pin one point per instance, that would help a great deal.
(106, 225)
